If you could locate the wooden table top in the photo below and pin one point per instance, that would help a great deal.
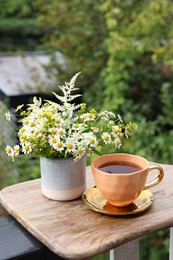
(73, 230)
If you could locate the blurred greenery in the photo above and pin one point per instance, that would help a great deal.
(19, 27)
(125, 52)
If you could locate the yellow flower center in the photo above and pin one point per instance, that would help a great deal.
(36, 132)
(26, 122)
(32, 124)
(117, 142)
(88, 151)
(54, 140)
(90, 115)
(61, 132)
(59, 144)
(80, 151)
(22, 130)
(117, 130)
(16, 150)
(8, 150)
(46, 138)
(48, 114)
(26, 147)
(53, 131)
(127, 132)
(69, 146)
(106, 138)
(57, 120)
(92, 141)
(18, 107)
(76, 126)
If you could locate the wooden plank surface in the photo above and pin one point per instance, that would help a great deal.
(74, 231)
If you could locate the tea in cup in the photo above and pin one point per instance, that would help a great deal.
(121, 177)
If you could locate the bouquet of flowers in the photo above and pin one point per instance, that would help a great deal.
(65, 129)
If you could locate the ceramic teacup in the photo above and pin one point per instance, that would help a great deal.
(121, 177)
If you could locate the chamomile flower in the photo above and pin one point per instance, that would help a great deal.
(79, 153)
(9, 150)
(117, 143)
(19, 107)
(95, 129)
(26, 122)
(58, 121)
(53, 131)
(59, 146)
(21, 131)
(87, 117)
(111, 114)
(53, 140)
(93, 141)
(36, 133)
(16, 150)
(61, 132)
(127, 133)
(26, 148)
(89, 152)
(116, 130)
(102, 114)
(70, 145)
(78, 126)
(32, 123)
(8, 116)
(106, 137)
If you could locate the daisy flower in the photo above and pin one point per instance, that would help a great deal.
(16, 150)
(9, 150)
(8, 116)
(26, 148)
(117, 143)
(106, 138)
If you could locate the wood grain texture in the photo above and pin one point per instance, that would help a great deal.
(74, 231)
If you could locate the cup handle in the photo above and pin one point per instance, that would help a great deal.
(157, 179)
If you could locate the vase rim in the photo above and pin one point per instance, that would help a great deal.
(68, 158)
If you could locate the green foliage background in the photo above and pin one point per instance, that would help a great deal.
(125, 52)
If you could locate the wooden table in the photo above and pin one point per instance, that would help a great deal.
(73, 231)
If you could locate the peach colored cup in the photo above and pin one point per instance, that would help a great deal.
(122, 189)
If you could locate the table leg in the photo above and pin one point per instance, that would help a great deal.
(128, 251)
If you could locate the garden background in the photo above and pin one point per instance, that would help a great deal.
(124, 50)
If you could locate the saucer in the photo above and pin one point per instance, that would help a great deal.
(94, 199)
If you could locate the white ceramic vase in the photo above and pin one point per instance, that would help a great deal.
(63, 179)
